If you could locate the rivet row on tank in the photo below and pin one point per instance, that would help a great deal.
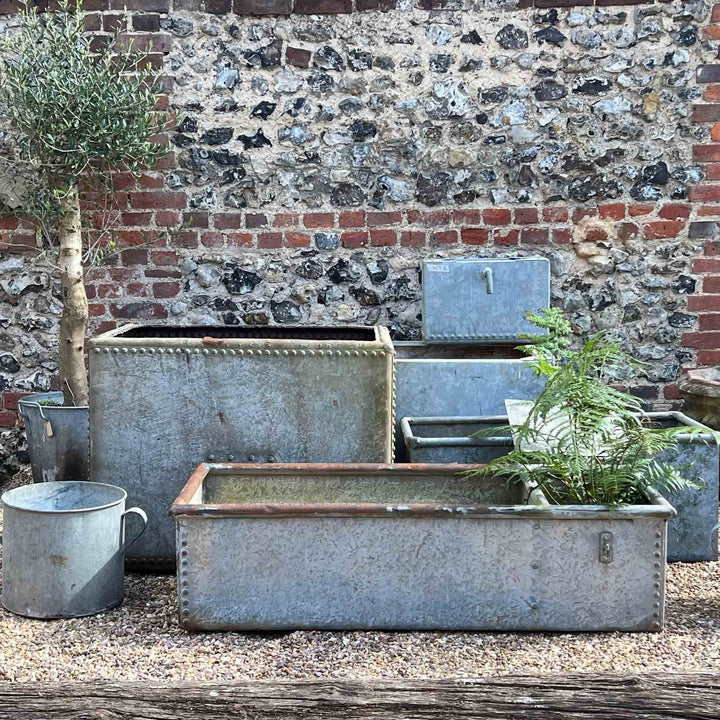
(97, 350)
(658, 535)
(115, 351)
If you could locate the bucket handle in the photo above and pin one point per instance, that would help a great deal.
(143, 517)
(713, 546)
(48, 425)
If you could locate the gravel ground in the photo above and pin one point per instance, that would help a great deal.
(142, 641)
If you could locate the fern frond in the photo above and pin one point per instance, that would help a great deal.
(583, 441)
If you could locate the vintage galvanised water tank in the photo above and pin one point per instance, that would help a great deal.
(163, 399)
(483, 300)
(473, 317)
(452, 381)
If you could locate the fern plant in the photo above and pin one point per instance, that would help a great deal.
(584, 442)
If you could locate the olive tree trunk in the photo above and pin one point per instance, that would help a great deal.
(73, 377)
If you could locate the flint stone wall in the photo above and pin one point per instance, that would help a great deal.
(318, 158)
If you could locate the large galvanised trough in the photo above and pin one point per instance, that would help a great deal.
(454, 440)
(163, 399)
(289, 546)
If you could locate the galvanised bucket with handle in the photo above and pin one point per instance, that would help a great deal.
(64, 548)
(58, 437)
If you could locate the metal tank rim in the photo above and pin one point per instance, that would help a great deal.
(83, 483)
(183, 506)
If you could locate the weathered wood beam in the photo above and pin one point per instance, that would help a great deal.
(547, 697)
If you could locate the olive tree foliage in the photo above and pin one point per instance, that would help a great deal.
(76, 114)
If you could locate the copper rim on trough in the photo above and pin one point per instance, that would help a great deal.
(183, 505)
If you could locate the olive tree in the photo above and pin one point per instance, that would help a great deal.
(77, 113)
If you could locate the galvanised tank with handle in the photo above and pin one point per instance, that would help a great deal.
(409, 547)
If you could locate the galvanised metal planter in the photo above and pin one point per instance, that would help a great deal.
(483, 300)
(291, 546)
(63, 546)
(448, 439)
(165, 398)
(455, 382)
(58, 437)
(453, 440)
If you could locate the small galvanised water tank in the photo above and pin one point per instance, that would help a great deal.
(163, 399)
(483, 300)
(473, 317)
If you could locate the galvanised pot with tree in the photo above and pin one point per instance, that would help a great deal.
(77, 113)
(589, 449)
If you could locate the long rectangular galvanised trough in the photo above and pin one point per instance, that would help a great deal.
(290, 546)
(454, 440)
(163, 399)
